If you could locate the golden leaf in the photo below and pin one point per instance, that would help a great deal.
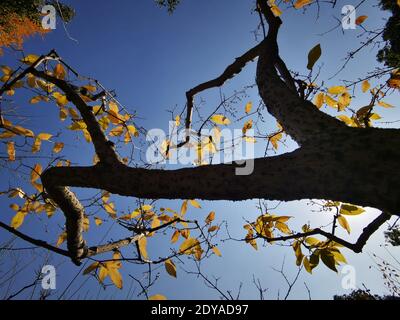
(98, 221)
(157, 297)
(301, 3)
(216, 251)
(58, 146)
(361, 19)
(175, 236)
(365, 86)
(30, 59)
(170, 267)
(142, 244)
(210, 217)
(61, 238)
(59, 71)
(195, 204)
(36, 172)
(11, 151)
(18, 219)
(343, 222)
(319, 100)
(335, 90)
(248, 107)
(220, 119)
(183, 208)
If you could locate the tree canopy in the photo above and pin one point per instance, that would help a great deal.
(344, 161)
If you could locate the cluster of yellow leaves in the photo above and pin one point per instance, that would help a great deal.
(29, 205)
(337, 97)
(276, 137)
(364, 114)
(264, 226)
(108, 268)
(326, 251)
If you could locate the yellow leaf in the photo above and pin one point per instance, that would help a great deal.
(315, 53)
(319, 100)
(98, 221)
(187, 247)
(117, 131)
(36, 145)
(170, 267)
(36, 171)
(103, 272)
(216, 251)
(312, 241)
(14, 206)
(30, 59)
(346, 120)
(365, 86)
(385, 105)
(132, 130)
(328, 259)
(44, 136)
(331, 102)
(6, 70)
(59, 71)
(61, 99)
(301, 3)
(248, 107)
(343, 222)
(115, 276)
(175, 236)
(157, 297)
(58, 146)
(35, 99)
(350, 210)
(109, 207)
(142, 244)
(282, 227)
(335, 90)
(177, 121)
(361, 19)
(274, 139)
(210, 217)
(213, 228)
(31, 80)
(11, 151)
(307, 265)
(276, 11)
(85, 223)
(63, 114)
(61, 238)
(23, 131)
(91, 268)
(183, 208)
(18, 219)
(195, 204)
(220, 119)
(248, 125)
(344, 101)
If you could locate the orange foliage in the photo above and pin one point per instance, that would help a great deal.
(15, 29)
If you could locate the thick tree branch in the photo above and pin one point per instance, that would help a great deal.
(103, 148)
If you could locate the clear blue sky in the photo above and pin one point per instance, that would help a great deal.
(151, 58)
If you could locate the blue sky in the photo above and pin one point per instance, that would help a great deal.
(151, 59)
